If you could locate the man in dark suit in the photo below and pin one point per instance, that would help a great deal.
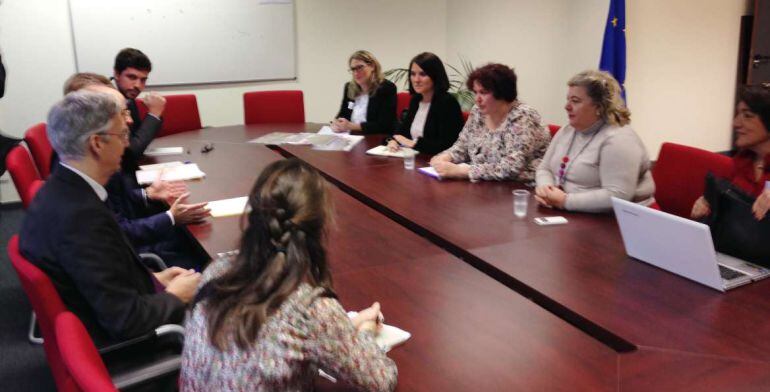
(73, 237)
(143, 215)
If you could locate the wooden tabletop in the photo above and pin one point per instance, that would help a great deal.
(463, 236)
(468, 331)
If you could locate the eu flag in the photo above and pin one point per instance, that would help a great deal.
(614, 46)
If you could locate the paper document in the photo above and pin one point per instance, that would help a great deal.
(388, 336)
(327, 130)
(338, 143)
(228, 207)
(184, 172)
(158, 166)
(384, 152)
(161, 151)
(429, 170)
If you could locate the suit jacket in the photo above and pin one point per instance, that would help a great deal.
(442, 126)
(380, 112)
(73, 237)
(144, 223)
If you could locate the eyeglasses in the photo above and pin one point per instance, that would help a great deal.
(357, 68)
(123, 135)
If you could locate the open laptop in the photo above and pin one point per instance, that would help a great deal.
(681, 246)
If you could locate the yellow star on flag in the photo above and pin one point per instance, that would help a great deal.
(615, 22)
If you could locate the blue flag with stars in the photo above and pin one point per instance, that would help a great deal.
(613, 58)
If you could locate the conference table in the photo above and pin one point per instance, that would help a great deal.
(495, 302)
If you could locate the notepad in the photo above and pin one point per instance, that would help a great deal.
(163, 165)
(228, 207)
(429, 170)
(327, 130)
(383, 151)
(161, 151)
(189, 171)
(388, 336)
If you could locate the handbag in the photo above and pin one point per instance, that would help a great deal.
(734, 229)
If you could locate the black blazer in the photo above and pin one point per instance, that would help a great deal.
(442, 126)
(71, 235)
(143, 131)
(380, 112)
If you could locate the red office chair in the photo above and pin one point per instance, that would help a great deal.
(272, 107)
(402, 103)
(47, 304)
(132, 368)
(465, 116)
(37, 141)
(80, 356)
(679, 176)
(181, 115)
(23, 173)
(553, 129)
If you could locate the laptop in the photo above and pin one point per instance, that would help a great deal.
(681, 246)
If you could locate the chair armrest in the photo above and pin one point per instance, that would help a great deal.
(153, 261)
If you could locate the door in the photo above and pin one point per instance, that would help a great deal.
(759, 58)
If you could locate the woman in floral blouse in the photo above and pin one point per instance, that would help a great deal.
(503, 138)
(268, 320)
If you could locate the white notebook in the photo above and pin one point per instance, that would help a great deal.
(384, 152)
(189, 171)
(388, 336)
(228, 207)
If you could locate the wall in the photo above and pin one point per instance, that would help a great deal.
(681, 57)
(37, 51)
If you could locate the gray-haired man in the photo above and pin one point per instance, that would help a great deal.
(73, 237)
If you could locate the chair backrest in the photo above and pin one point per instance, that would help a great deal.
(47, 305)
(402, 103)
(465, 116)
(679, 175)
(273, 107)
(23, 173)
(37, 141)
(79, 354)
(180, 115)
(553, 129)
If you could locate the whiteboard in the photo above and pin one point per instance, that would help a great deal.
(188, 41)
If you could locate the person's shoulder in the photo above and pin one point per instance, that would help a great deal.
(387, 86)
(620, 132)
(447, 99)
(525, 110)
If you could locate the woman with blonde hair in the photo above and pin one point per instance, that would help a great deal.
(368, 99)
(597, 155)
(268, 319)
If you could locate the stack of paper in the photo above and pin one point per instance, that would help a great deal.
(161, 151)
(327, 130)
(429, 170)
(340, 142)
(383, 151)
(173, 171)
(228, 207)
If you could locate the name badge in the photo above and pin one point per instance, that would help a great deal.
(350, 105)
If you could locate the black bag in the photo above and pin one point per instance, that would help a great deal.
(734, 228)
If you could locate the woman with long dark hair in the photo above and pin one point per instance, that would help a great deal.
(268, 319)
(434, 118)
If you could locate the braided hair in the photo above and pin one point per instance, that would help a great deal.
(281, 247)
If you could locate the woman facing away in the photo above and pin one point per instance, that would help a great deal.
(597, 155)
(268, 319)
(368, 100)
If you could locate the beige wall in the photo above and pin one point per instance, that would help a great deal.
(37, 51)
(681, 57)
